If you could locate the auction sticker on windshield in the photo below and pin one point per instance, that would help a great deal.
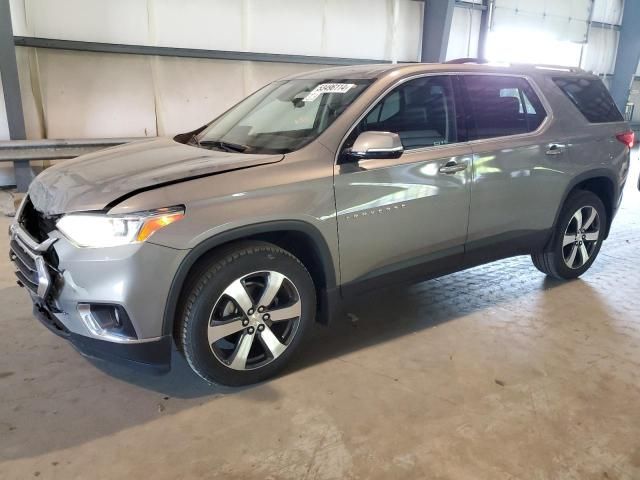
(328, 88)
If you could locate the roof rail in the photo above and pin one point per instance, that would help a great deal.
(467, 60)
(544, 66)
(483, 61)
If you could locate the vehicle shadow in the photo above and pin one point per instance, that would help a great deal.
(371, 319)
(379, 317)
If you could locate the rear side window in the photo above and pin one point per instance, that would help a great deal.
(591, 97)
(502, 106)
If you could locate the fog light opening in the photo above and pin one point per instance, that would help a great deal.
(107, 321)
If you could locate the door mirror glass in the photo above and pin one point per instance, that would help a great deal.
(376, 145)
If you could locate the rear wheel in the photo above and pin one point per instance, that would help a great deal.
(245, 313)
(577, 237)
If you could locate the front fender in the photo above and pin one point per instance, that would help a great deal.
(328, 297)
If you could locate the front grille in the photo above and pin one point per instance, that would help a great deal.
(35, 222)
(27, 272)
(36, 262)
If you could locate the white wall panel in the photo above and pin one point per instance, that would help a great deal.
(608, 11)
(93, 95)
(599, 54)
(366, 39)
(465, 31)
(113, 21)
(286, 26)
(6, 169)
(190, 92)
(30, 93)
(376, 29)
(18, 18)
(96, 95)
(205, 24)
(409, 31)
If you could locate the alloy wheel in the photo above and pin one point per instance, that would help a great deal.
(254, 320)
(581, 237)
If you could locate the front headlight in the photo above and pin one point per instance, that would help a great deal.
(92, 230)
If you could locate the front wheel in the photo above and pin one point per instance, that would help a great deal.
(577, 238)
(245, 313)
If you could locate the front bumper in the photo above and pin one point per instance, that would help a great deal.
(62, 278)
(153, 356)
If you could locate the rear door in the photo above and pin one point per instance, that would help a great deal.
(518, 164)
(397, 218)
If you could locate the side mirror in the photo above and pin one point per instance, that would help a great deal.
(376, 145)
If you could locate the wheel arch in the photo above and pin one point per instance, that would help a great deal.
(300, 238)
(601, 182)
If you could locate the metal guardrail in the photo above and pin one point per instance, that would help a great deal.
(14, 150)
(22, 152)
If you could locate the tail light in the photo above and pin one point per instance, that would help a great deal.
(628, 138)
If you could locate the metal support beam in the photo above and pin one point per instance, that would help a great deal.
(485, 21)
(628, 54)
(606, 26)
(436, 26)
(11, 91)
(100, 47)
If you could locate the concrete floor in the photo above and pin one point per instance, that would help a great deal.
(494, 373)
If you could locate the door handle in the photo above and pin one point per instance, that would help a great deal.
(452, 167)
(555, 149)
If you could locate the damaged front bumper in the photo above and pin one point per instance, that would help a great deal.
(108, 302)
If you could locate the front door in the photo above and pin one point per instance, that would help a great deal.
(404, 217)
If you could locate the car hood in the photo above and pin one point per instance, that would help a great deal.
(98, 180)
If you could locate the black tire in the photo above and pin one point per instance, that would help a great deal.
(205, 288)
(552, 262)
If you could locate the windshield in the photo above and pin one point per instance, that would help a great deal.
(281, 117)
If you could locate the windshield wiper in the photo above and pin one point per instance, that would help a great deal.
(224, 146)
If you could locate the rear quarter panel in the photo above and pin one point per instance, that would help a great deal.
(593, 147)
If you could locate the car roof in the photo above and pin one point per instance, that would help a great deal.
(379, 70)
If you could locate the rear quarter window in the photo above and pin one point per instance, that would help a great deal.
(591, 97)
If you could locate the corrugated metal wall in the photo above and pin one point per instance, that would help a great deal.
(76, 94)
(69, 94)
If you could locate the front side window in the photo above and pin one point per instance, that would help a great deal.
(282, 117)
(502, 106)
(421, 111)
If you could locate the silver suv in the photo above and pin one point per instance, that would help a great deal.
(232, 239)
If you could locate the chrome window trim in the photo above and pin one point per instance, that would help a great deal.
(532, 83)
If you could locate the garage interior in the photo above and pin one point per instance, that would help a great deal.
(491, 373)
